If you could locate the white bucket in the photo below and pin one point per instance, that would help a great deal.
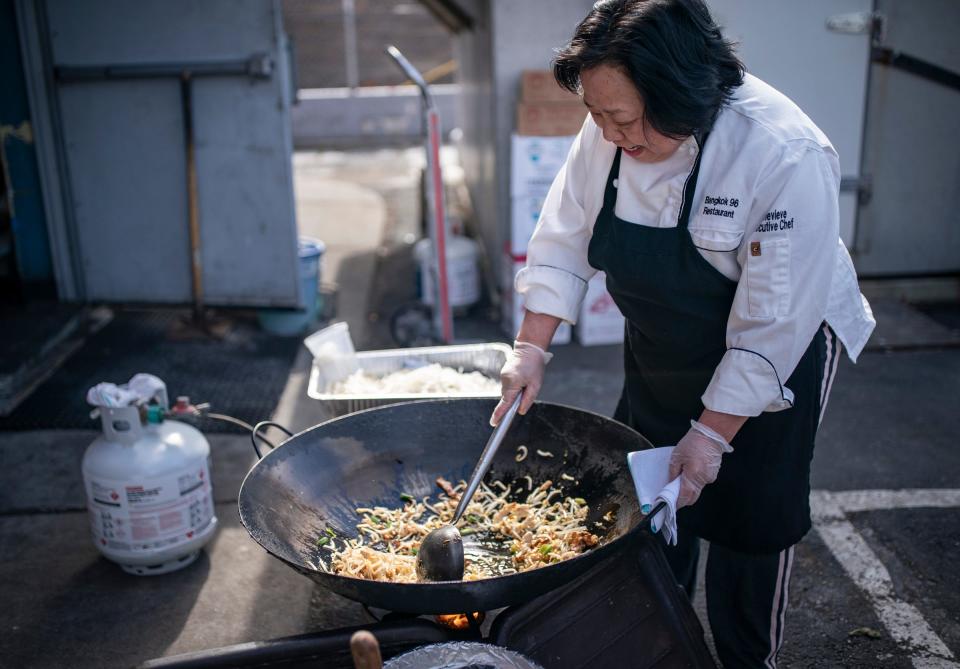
(463, 274)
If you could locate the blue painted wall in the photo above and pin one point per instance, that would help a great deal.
(31, 243)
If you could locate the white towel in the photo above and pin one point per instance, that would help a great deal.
(651, 476)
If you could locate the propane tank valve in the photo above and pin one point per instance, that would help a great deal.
(182, 406)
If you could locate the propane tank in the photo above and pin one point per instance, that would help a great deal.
(148, 484)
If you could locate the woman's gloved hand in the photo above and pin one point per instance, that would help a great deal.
(523, 370)
(697, 458)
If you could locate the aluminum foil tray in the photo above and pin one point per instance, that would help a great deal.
(484, 358)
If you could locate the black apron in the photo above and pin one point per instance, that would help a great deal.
(676, 306)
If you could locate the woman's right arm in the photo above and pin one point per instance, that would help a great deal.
(538, 329)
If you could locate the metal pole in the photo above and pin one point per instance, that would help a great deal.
(435, 193)
(436, 216)
(193, 206)
(350, 44)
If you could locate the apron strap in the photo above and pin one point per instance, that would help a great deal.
(610, 192)
(690, 187)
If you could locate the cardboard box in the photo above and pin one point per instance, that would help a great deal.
(524, 215)
(550, 119)
(535, 162)
(511, 304)
(540, 86)
(600, 321)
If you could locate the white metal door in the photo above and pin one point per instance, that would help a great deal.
(910, 226)
(788, 44)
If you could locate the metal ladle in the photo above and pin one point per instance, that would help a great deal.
(440, 557)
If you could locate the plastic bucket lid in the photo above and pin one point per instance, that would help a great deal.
(309, 247)
(311, 253)
(295, 321)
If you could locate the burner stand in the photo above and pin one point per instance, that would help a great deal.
(627, 611)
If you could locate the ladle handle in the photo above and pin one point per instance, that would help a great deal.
(486, 458)
(365, 651)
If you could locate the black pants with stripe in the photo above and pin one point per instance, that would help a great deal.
(747, 599)
(747, 594)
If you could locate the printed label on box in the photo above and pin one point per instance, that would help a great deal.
(535, 162)
(524, 215)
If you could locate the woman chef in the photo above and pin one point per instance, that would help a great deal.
(711, 203)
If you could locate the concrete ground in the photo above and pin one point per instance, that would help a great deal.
(874, 585)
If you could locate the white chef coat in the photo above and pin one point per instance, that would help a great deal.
(765, 214)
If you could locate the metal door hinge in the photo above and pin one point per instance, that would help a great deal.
(861, 185)
(858, 23)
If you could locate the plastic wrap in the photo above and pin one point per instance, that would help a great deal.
(461, 655)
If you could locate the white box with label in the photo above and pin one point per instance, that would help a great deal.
(524, 215)
(535, 162)
(600, 321)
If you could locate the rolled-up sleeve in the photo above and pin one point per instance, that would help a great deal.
(555, 278)
(787, 261)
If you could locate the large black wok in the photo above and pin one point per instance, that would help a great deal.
(317, 478)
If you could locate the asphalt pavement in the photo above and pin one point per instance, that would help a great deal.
(889, 427)
(874, 584)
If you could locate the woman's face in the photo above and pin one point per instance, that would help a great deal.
(617, 109)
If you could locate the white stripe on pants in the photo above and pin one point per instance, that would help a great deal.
(834, 349)
(778, 608)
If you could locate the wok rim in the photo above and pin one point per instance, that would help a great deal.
(310, 570)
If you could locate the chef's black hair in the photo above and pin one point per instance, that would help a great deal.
(673, 51)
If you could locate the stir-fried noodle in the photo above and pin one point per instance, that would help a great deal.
(544, 528)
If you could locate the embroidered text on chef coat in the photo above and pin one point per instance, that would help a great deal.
(778, 219)
(720, 206)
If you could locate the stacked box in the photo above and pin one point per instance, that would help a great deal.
(600, 321)
(534, 164)
(546, 109)
(512, 304)
(548, 119)
(541, 86)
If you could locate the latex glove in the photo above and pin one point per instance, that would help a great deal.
(697, 460)
(523, 370)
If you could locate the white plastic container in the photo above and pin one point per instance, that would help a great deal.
(148, 491)
(333, 347)
(463, 274)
